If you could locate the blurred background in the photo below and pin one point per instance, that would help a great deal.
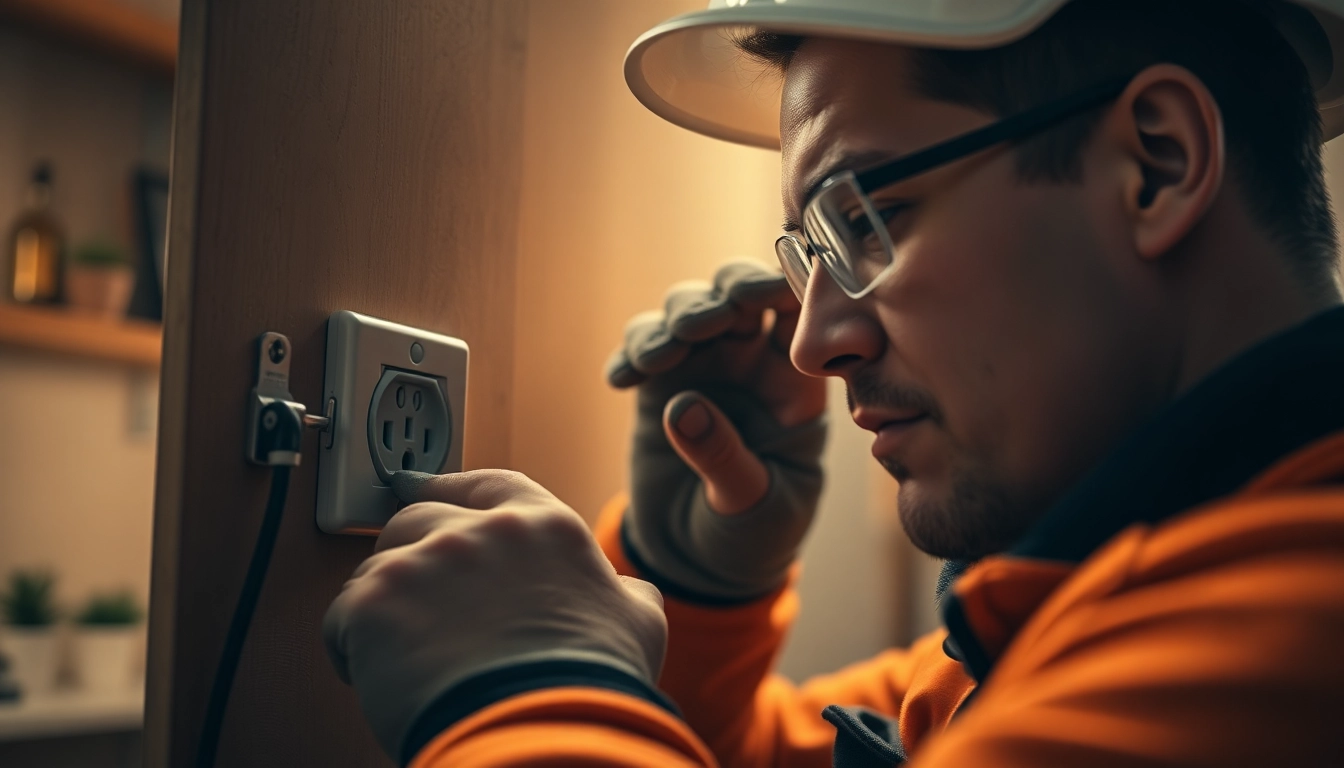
(616, 206)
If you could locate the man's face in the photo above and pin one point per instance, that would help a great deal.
(1018, 339)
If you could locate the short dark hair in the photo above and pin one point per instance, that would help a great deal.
(1272, 126)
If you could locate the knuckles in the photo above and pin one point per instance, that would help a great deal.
(564, 526)
(508, 531)
(535, 528)
(454, 546)
(507, 523)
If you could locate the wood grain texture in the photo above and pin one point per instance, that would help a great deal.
(71, 333)
(359, 155)
(106, 25)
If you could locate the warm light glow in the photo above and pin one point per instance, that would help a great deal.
(28, 246)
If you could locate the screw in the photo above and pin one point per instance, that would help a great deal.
(277, 351)
(269, 420)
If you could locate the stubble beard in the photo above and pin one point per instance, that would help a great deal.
(979, 518)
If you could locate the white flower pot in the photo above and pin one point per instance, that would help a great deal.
(110, 658)
(34, 657)
(103, 291)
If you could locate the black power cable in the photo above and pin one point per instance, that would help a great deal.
(281, 432)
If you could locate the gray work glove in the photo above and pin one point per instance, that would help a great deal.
(726, 467)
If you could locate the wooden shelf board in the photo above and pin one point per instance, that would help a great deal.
(70, 713)
(66, 332)
(103, 24)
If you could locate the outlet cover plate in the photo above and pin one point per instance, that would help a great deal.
(351, 497)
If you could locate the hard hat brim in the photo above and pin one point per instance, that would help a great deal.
(689, 71)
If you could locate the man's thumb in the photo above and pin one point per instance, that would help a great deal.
(735, 479)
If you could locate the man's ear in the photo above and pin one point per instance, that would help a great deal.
(1169, 131)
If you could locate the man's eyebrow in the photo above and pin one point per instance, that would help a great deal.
(849, 161)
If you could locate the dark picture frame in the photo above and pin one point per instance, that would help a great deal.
(149, 192)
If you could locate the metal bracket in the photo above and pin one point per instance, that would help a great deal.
(273, 353)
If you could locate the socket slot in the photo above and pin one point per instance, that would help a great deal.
(406, 413)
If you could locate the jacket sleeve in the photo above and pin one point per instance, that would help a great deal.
(567, 726)
(718, 671)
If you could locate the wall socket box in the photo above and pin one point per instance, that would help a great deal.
(400, 397)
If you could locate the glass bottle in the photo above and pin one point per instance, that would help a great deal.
(35, 244)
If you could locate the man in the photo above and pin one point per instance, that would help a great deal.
(1075, 264)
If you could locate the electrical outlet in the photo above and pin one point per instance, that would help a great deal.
(409, 424)
(399, 398)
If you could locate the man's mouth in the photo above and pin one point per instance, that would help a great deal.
(893, 434)
(891, 427)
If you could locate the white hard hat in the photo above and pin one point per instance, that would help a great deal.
(689, 71)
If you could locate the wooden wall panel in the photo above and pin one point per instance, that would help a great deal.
(356, 155)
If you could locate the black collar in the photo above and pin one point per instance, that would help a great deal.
(1280, 395)
(1271, 400)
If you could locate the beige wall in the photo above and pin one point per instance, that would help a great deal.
(77, 471)
(617, 205)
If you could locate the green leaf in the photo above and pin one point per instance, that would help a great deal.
(101, 254)
(113, 608)
(29, 601)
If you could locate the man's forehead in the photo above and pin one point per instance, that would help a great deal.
(841, 101)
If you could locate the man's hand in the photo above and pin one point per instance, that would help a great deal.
(726, 466)
(488, 569)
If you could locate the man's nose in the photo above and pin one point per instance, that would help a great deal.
(836, 334)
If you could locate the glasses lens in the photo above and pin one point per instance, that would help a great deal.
(847, 235)
(797, 266)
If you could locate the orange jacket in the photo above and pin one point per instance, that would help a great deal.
(1183, 606)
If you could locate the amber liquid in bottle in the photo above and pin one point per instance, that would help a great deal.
(35, 242)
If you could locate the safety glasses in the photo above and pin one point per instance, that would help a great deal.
(843, 230)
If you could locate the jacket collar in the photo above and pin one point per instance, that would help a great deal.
(1273, 399)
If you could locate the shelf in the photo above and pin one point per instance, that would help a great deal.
(106, 25)
(137, 342)
(70, 713)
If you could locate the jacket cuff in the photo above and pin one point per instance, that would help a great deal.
(672, 589)
(480, 691)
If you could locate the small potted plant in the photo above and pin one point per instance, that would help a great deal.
(29, 634)
(109, 642)
(100, 279)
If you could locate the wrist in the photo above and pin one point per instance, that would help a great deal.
(521, 674)
(666, 560)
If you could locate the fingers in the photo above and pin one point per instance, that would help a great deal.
(748, 325)
(751, 285)
(413, 524)
(477, 489)
(649, 349)
(695, 312)
(735, 479)
(334, 625)
(781, 336)
(642, 590)
(439, 501)
(331, 634)
(621, 373)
